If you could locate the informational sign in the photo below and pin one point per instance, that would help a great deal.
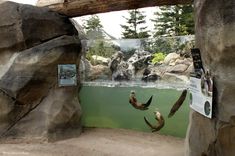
(67, 75)
(197, 61)
(201, 95)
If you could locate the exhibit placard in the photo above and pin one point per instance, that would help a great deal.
(201, 95)
(67, 75)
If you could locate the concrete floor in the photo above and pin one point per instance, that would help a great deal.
(102, 142)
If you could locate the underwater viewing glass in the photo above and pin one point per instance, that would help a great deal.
(111, 69)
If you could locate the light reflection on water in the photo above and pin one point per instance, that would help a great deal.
(157, 84)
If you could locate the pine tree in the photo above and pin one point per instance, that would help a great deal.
(134, 27)
(188, 19)
(174, 21)
(93, 27)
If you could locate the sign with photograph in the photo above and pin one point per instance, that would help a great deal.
(67, 75)
(201, 95)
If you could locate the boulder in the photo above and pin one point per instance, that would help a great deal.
(215, 36)
(182, 60)
(179, 61)
(179, 68)
(84, 68)
(150, 78)
(140, 59)
(187, 61)
(170, 77)
(146, 72)
(116, 59)
(32, 104)
(172, 63)
(120, 69)
(158, 70)
(101, 72)
(100, 60)
(189, 70)
(171, 57)
(124, 72)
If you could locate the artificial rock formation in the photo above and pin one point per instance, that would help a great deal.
(33, 42)
(215, 36)
(73, 8)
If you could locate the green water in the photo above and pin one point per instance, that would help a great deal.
(109, 107)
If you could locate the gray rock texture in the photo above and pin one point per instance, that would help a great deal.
(24, 26)
(215, 36)
(140, 59)
(120, 69)
(33, 41)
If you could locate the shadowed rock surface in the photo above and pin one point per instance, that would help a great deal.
(24, 26)
(33, 42)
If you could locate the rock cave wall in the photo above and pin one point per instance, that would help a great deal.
(215, 36)
(33, 42)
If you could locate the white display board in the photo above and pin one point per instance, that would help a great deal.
(67, 75)
(201, 95)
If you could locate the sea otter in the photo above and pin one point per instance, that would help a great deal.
(159, 118)
(141, 106)
(206, 83)
(178, 103)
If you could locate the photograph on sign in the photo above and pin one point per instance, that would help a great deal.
(67, 75)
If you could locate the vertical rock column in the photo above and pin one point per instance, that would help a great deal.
(215, 36)
(33, 41)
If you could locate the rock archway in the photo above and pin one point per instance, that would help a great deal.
(73, 8)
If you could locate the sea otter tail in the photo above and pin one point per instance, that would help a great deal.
(148, 123)
(148, 102)
(158, 127)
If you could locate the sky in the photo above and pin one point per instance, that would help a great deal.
(111, 21)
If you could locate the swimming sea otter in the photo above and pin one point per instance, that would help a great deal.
(159, 118)
(142, 106)
(178, 103)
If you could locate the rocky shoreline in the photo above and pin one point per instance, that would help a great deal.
(174, 68)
